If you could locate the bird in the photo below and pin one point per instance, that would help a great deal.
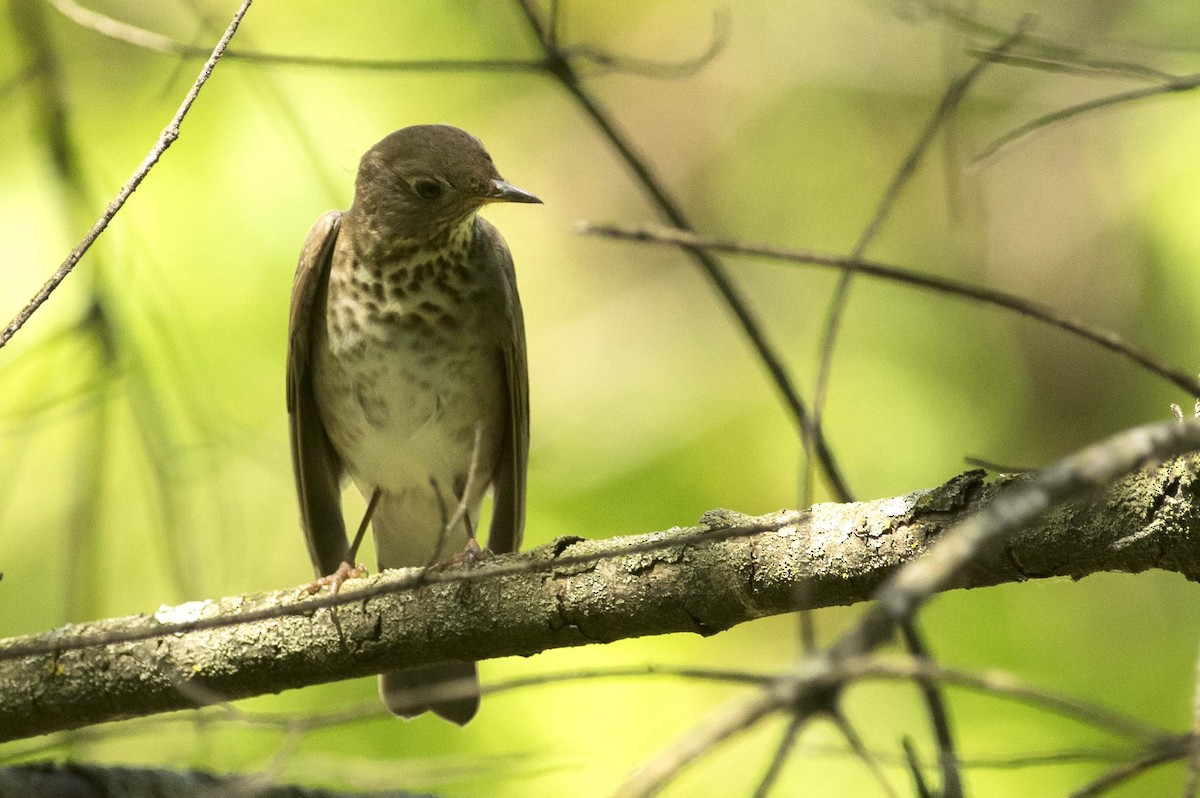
(406, 374)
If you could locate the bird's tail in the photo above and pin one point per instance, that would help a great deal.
(448, 689)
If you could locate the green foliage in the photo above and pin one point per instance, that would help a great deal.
(142, 421)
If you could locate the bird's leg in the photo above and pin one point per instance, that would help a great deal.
(463, 486)
(346, 570)
(472, 553)
(448, 523)
(362, 529)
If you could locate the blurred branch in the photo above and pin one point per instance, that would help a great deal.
(111, 354)
(730, 569)
(650, 68)
(939, 715)
(17, 80)
(76, 779)
(861, 752)
(838, 303)
(150, 40)
(115, 29)
(920, 787)
(1076, 65)
(1097, 335)
(782, 750)
(1169, 751)
(990, 534)
(1022, 132)
(1193, 758)
(966, 17)
(569, 79)
(557, 61)
(165, 139)
(994, 683)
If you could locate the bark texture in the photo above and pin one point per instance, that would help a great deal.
(727, 570)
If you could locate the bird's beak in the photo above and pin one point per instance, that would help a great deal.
(503, 191)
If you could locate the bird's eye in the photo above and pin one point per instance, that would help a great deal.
(427, 188)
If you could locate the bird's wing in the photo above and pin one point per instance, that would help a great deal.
(314, 462)
(508, 513)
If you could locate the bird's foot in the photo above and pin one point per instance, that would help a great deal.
(468, 557)
(334, 580)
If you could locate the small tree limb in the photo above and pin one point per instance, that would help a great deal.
(730, 569)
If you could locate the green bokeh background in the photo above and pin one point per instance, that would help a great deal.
(142, 425)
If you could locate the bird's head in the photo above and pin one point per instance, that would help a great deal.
(422, 183)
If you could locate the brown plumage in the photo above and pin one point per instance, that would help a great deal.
(405, 336)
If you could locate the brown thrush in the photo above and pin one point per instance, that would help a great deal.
(406, 364)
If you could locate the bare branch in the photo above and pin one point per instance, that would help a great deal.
(779, 758)
(730, 569)
(78, 779)
(665, 70)
(713, 269)
(149, 40)
(944, 565)
(1023, 132)
(1169, 751)
(1098, 335)
(165, 139)
(950, 101)
(606, 62)
(1077, 65)
(939, 716)
(1193, 759)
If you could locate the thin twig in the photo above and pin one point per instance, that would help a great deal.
(864, 754)
(809, 683)
(950, 101)
(645, 67)
(782, 751)
(1097, 335)
(1018, 134)
(564, 72)
(786, 689)
(996, 684)
(460, 511)
(1081, 65)
(966, 18)
(1086, 470)
(914, 768)
(606, 62)
(165, 139)
(939, 716)
(1169, 751)
(1193, 769)
(150, 40)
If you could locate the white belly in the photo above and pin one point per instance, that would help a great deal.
(411, 416)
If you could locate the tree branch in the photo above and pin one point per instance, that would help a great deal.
(165, 139)
(1100, 336)
(74, 779)
(730, 569)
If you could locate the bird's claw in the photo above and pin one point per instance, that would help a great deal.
(334, 580)
(469, 556)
